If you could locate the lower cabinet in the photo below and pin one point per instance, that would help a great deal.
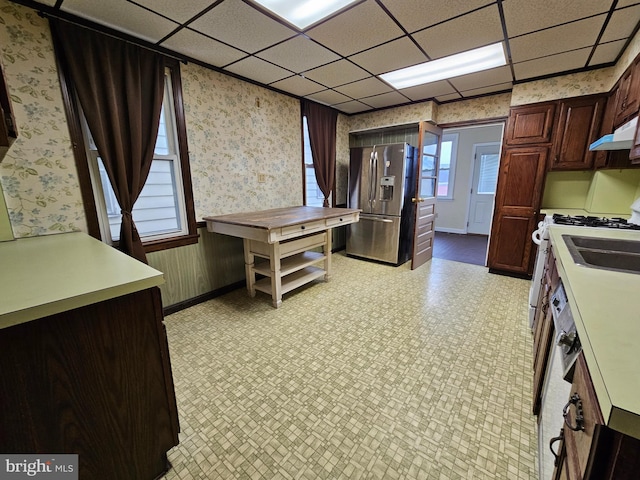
(586, 448)
(94, 381)
(518, 195)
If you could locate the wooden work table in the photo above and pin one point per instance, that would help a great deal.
(279, 244)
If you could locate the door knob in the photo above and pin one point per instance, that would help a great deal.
(417, 200)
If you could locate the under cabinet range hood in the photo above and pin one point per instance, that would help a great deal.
(621, 139)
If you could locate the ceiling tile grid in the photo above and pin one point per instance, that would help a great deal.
(337, 60)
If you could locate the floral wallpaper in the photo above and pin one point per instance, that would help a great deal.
(38, 173)
(393, 116)
(474, 109)
(342, 159)
(236, 131)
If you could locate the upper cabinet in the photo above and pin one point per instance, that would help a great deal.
(577, 127)
(8, 131)
(628, 94)
(530, 124)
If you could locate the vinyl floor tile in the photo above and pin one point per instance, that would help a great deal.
(380, 373)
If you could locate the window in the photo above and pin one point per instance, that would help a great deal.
(446, 174)
(313, 195)
(488, 175)
(163, 213)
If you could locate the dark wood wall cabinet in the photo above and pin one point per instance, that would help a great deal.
(550, 136)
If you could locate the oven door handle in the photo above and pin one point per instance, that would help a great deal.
(551, 442)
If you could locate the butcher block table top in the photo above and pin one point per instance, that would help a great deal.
(281, 217)
(281, 223)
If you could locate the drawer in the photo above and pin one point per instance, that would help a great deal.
(333, 222)
(302, 229)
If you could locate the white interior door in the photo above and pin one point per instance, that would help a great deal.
(483, 187)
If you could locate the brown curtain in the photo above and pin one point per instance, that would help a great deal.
(321, 122)
(120, 87)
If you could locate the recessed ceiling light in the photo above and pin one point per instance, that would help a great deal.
(302, 13)
(463, 63)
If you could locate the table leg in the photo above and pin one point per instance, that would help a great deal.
(327, 254)
(249, 263)
(276, 278)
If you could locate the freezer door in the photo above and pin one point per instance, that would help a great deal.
(375, 237)
(388, 182)
(360, 163)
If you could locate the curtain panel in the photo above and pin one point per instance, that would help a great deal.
(321, 122)
(120, 87)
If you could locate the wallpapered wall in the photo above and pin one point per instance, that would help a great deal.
(38, 173)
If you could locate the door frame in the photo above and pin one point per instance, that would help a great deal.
(474, 161)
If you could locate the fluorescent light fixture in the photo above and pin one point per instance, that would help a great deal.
(303, 13)
(463, 63)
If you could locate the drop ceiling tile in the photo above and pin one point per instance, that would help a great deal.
(562, 62)
(414, 14)
(258, 70)
(428, 90)
(621, 24)
(123, 16)
(364, 88)
(524, 16)
(232, 20)
(357, 29)
(51, 3)
(625, 3)
(390, 56)
(501, 87)
(178, 11)
(298, 85)
(385, 100)
(480, 28)
(196, 45)
(298, 54)
(329, 97)
(485, 78)
(607, 52)
(336, 73)
(448, 98)
(352, 107)
(556, 40)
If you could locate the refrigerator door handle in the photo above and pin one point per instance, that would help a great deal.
(374, 180)
(374, 219)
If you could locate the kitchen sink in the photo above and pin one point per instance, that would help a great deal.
(608, 254)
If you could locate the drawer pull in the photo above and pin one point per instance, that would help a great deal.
(574, 400)
(551, 442)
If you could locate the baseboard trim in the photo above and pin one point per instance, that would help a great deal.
(176, 307)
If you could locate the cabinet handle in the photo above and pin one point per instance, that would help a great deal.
(551, 442)
(302, 227)
(574, 400)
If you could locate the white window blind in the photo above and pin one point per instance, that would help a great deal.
(488, 173)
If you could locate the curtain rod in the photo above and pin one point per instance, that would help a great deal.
(46, 12)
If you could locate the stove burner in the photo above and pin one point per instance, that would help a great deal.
(587, 221)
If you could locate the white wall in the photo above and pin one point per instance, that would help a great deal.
(452, 214)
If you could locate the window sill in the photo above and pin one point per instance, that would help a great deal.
(167, 243)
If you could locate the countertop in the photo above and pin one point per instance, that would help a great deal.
(606, 308)
(45, 275)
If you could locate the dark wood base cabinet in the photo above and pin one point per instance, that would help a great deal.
(589, 450)
(95, 381)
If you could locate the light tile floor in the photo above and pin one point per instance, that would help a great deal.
(380, 373)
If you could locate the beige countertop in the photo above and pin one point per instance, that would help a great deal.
(606, 309)
(41, 276)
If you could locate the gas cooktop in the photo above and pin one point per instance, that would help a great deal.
(585, 221)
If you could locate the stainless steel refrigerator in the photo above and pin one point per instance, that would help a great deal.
(381, 184)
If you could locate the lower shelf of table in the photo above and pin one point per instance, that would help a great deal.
(292, 281)
(291, 264)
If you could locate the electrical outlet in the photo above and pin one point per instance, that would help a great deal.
(262, 177)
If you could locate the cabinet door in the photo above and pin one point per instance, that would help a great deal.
(520, 182)
(634, 154)
(629, 94)
(530, 124)
(578, 127)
